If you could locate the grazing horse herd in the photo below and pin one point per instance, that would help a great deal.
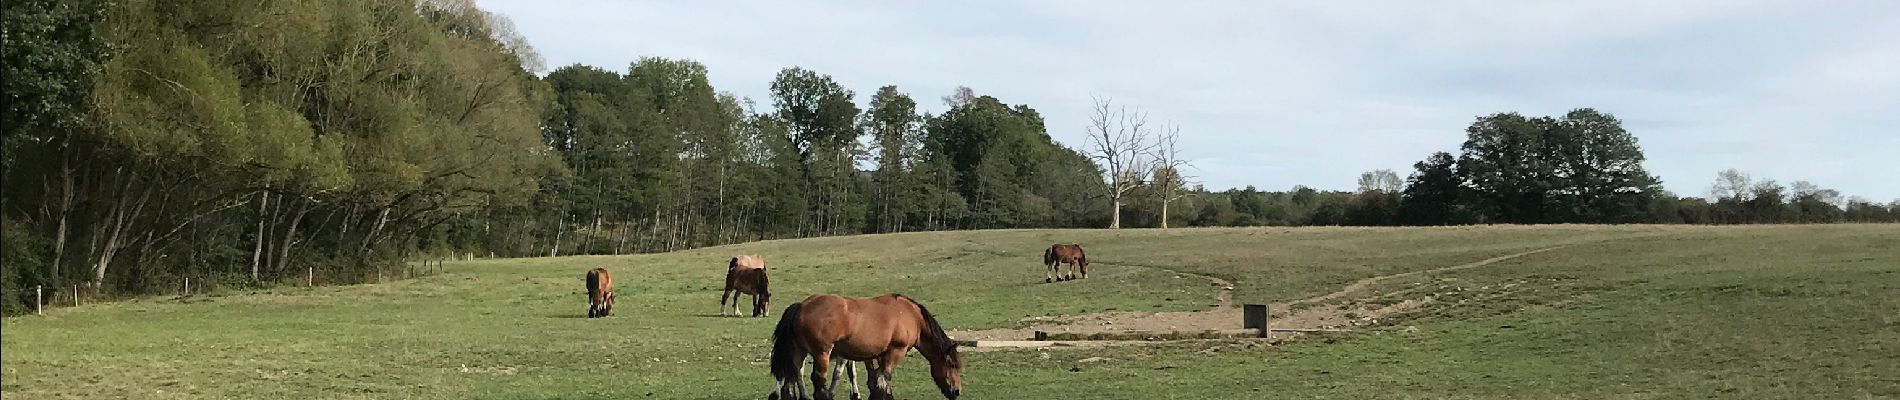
(833, 331)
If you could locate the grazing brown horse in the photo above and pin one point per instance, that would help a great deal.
(878, 331)
(743, 281)
(1064, 254)
(600, 293)
(745, 261)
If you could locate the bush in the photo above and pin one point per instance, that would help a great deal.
(24, 266)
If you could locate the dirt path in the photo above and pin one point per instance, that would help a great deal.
(1225, 315)
(1363, 283)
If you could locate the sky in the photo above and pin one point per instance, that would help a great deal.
(1274, 94)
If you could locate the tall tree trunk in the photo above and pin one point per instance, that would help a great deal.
(594, 231)
(658, 241)
(257, 250)
(377, 229)
(65, 211)
(559, 231)
(622, 236)
(290, 235)
(121, 223)
(1115, 222)
(720, 212)
(1164, 213)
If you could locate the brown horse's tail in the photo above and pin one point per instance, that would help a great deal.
(593, 293)
(1049, 256)
(785, 357)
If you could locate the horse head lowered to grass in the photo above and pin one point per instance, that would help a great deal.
(878, 331)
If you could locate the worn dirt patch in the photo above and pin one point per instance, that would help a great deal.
(1306, 314)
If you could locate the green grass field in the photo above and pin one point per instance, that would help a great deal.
(1615, 312)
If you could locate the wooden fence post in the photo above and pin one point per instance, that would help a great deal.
(187, 285)
(310, 276)
(39, 299)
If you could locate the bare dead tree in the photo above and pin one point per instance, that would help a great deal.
(963, 95)
(1382, 180)
(1168, 174)
(1119, 140)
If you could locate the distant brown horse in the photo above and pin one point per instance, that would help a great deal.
(1064, 254)
(600, 293)
(745, 261)
(743, 281)
(879, 331)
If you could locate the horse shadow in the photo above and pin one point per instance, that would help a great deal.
(748, 316)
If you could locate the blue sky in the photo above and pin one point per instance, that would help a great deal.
(1278, 93)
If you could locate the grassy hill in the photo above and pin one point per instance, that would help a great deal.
(1609, 311)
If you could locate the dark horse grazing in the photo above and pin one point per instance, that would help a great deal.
(878, 331)
(600, 293)
(1064, 254)
(743, 281)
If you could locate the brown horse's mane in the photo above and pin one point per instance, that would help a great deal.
(935, 331)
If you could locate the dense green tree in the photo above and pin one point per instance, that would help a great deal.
(51, 55)
(1506, 164)
(1582, 168)
(1435, 194)
(895, 128)
(217, 139)
(822, 119)
(1598, 170)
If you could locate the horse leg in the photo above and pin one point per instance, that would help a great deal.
(881, 375)
(880, 386)
(843, 367)
(799, 383)
(834, 375)
(850, 374)
(821, 365)
(722, 300)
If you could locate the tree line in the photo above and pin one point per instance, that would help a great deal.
(148, 141)
(254, 142)
(1582, 167)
